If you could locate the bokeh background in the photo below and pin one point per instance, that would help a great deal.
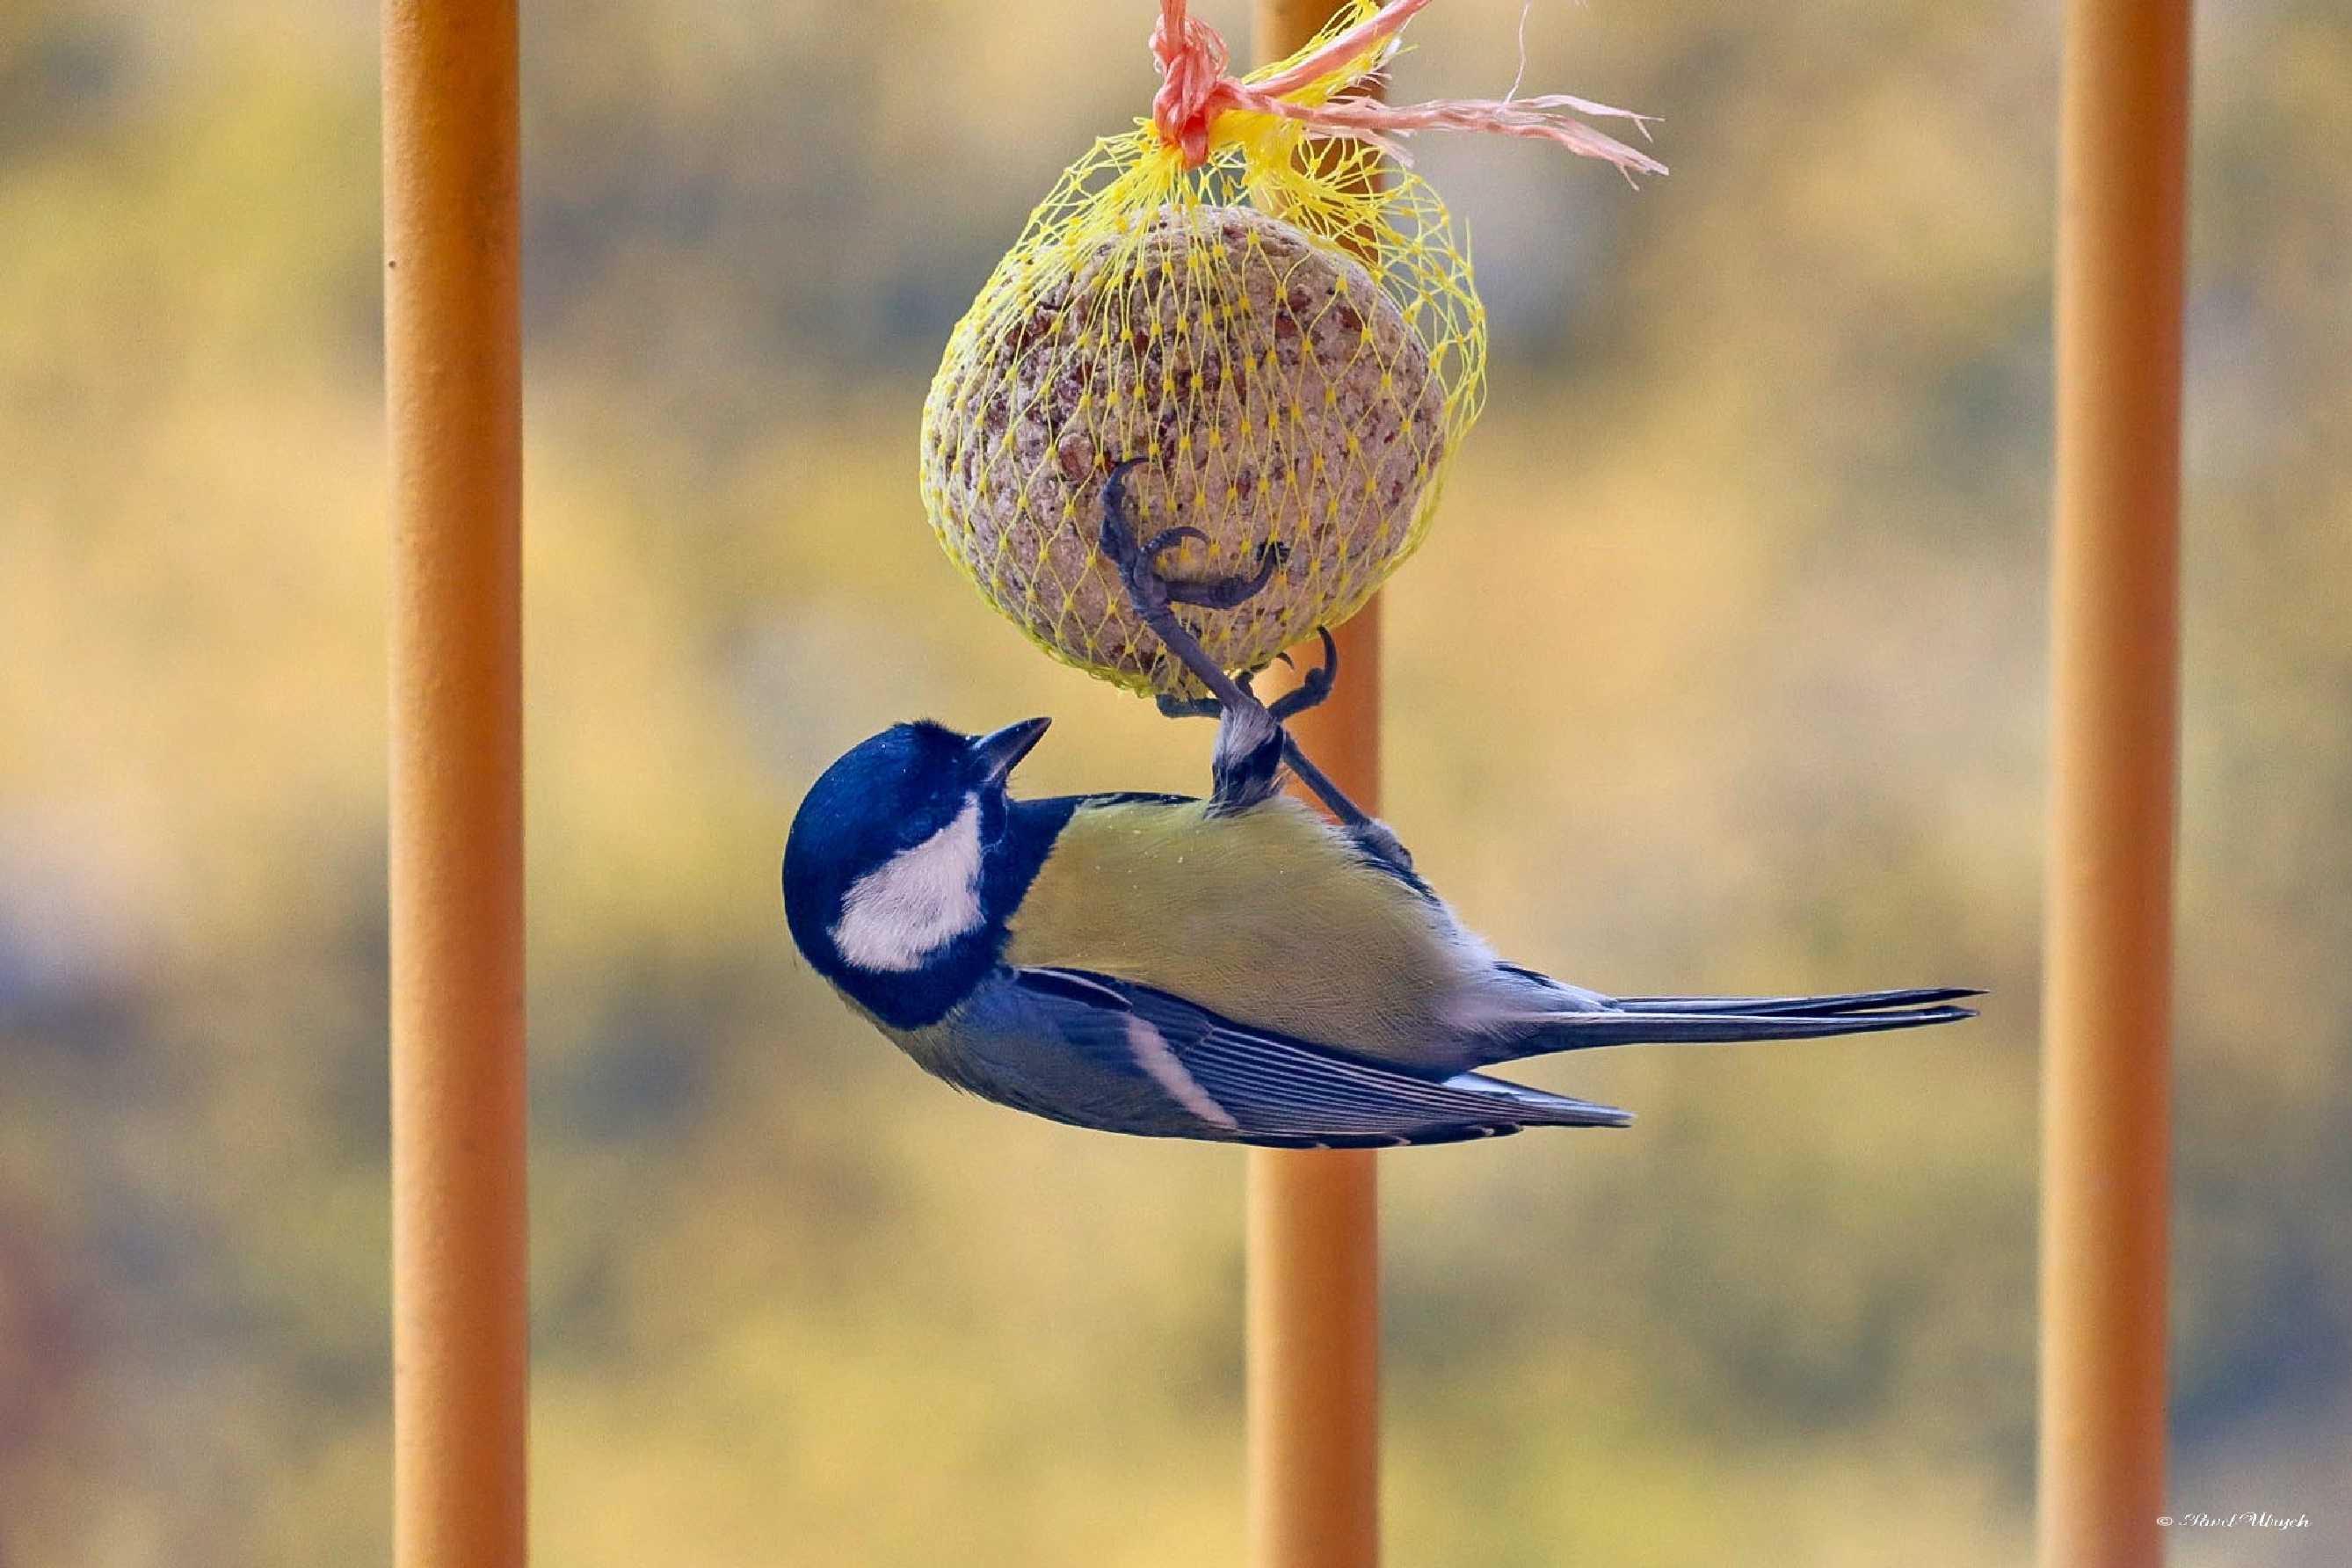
(1722, 669)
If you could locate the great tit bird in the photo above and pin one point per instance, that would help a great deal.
(1235, 968)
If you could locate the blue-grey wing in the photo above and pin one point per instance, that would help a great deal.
(1032, 1047)
(1138, 1060)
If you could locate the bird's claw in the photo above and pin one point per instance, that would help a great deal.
(1168, 538)
(1137, 560)
(1174, 707)
(1125, 551)
(1312, 688)
(1314, 685)
(1232, 591)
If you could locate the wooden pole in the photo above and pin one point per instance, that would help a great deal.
(2107, 1005)
(1314, 1315)
(452, 353)
(1312, 1308)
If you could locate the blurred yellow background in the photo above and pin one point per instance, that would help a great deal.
(1722, 669)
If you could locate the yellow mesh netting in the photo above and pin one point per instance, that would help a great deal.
(1287, 336)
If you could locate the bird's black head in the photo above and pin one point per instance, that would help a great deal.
(895, 882)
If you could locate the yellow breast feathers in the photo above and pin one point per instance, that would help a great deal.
(1269, 917)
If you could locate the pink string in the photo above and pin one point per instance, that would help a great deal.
(1194, 90)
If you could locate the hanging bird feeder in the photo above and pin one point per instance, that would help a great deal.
(1249, 296)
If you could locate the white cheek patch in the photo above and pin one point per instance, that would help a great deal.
(916, 903)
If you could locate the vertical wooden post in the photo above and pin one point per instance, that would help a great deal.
(1314, 1314)
(1313, 1311)
(452, 351)
(2107, 1007)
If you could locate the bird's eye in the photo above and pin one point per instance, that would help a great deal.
(922, 819)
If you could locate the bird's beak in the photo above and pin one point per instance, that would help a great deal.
(999, 752)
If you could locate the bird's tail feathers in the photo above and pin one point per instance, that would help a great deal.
(1696, 1020)
(1808, 1006)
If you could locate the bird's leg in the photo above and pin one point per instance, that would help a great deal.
(1249, 738)
(1373, 836)
(1316, 685)
(1312, 688)
(1310, 691)
(1251, 743)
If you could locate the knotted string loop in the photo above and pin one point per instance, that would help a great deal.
(1318, 88)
